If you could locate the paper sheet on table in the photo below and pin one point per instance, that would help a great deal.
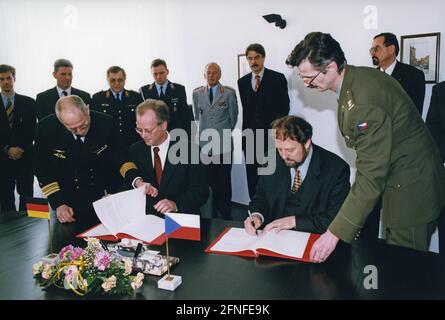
(286, 242)
(99, 230)
(147, 228)
(120, 209)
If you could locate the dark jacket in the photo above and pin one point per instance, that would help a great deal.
(46, 100)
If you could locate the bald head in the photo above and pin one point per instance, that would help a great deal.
(74, 114)
(212, 73)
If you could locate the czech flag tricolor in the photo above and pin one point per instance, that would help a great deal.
(37, 208)
(182, 226)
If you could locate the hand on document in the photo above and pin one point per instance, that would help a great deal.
(323, 247)
(165, 205)
(149, 189)
(285, 223)
(252, 224)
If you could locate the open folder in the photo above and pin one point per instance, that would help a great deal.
(123, 216)
(285, 244)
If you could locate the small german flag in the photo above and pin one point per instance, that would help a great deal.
(37, 208)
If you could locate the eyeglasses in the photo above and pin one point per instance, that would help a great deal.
(310, 85)
(141, 131)
(375, 49)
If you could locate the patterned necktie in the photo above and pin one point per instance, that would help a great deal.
(65, 93)
(257, 84)
(297, 181)
(211, 95)
(161, 92)
(158, 165)
(9, 111)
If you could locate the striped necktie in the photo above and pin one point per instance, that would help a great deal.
(257, 84)
(297, 181)
(10, 111)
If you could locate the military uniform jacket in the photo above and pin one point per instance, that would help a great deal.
(22, 132)
(221, 114)
(46, 101)
(123, 111)
(397, 159)
(66, 174)
(176, 99)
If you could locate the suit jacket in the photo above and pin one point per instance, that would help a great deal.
(323, 191)
(122, 111)
(397, 159)
(184, 183)
(272, 102)
(221, 114)
(46, 100)
(413, 81)
(435, 119)
(22, 132)
(176, 99)
(77, 176)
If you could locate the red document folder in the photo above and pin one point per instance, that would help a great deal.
(109, 237)
(264, 252)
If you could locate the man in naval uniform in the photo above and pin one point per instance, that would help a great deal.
(173, 94)
(215, 107)
(119, 103)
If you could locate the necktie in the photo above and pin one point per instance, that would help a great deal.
(65, 93)
(118, 97)
(211, 95)
(161, 92)
(257, 84)
(9, 111)
(297, 181)
(158, 165)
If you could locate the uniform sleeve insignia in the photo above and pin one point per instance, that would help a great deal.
(350, 104)
(362, 126)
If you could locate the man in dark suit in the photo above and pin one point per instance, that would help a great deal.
(264, 97)
(76, 153)
(384, 51)
(17, 126)
(174, 184)
(435, 119)
(63, 73)
(307, 188)
(119, 103)
(173, 94)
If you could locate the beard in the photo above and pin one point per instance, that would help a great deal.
(295, 164)
(375, 61)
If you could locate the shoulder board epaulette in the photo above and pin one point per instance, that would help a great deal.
(127, 94)
(200, 88)
(150, 86)
(107, 94)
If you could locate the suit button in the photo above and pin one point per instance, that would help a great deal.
(76, 180)
(91, 170)
(398, 186)
(120, 124)
(105, 111)
(120, 130)
(119, 111)
(77, 188)
(120, 118)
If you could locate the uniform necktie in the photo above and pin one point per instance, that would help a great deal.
(211, 95)
(64, 93)
(161, 93)
(9, 111)
(257, 84)
(297, 181)
(118, 97)
(158, 165)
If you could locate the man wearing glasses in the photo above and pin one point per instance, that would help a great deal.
(172, 181)
(77, 152)
(119, 103)
(397, 160)
(384, 51)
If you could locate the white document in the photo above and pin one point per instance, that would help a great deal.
(124, 212)
(286, 242)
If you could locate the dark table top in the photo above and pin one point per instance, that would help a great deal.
(401, 273)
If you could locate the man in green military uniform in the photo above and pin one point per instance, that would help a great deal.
(119, 103)
(397, 160)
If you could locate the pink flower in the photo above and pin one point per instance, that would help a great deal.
(70, 253)
(70, 273)
(102, 260)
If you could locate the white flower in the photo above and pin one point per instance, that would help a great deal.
(93, 243)
(128, 266)
(37, 268)
(137, 282)
(47, 271)
(109, 283)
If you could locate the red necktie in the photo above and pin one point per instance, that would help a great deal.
(158, 165)
(257, 84)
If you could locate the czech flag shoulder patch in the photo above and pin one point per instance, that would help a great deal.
(362, 126)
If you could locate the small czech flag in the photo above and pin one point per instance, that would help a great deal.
(182, 226)
(362, 126)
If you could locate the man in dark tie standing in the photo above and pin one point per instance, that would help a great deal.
(173, 94)
(264, 97)
(17, 126)
(63, 73)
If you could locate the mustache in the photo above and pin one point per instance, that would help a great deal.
(375, 61)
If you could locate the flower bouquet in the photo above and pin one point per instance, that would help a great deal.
(89, 270)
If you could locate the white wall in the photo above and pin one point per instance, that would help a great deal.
(187, 34)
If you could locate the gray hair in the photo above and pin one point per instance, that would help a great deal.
(72, 101)
(212, 64)
(159, 107)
